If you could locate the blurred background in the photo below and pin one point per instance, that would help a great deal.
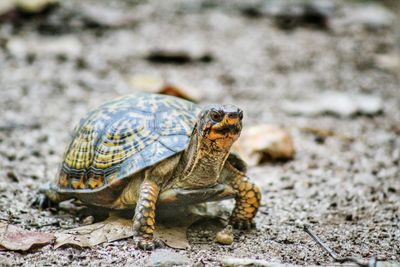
(326, 72)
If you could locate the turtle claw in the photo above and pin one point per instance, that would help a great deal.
(42, 202)
(148, 243)
(242, 224)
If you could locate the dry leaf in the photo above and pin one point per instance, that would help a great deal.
(15, 238)
(324, 133)
(154, 84)
(115, 228)
(90, 235)
(264, 141)
(174, 237)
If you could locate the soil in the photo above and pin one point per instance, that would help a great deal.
(345, 186)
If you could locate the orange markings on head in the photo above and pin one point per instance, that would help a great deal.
(225, 142)
(213, 135)
(231, 121)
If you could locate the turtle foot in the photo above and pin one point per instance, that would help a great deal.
(242, 224)
(148, 243)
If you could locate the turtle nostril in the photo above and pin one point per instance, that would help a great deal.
(233, 115)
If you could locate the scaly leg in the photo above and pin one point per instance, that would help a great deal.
(144, 219)
(248, 197)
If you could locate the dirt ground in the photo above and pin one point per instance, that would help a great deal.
(345, 186)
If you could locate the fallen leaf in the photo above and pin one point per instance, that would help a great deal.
(158, 85)
(174, 237)
(324, 133)
(182, 91)
(15, 238)
(116, 228)
(90, 235)
(261, 142)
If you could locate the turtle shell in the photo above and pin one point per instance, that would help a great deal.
(124, 136)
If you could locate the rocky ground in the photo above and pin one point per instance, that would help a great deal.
(56, 66)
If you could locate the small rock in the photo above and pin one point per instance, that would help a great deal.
(66, 46)
(102, 16)
(370, 17)
(389, 62)
(233, 262)
(335, 103)
(262, 142)
(166, 257)
(225, 237)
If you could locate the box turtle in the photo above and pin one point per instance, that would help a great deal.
(145, 151)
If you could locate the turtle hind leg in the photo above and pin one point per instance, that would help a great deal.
(48, 197)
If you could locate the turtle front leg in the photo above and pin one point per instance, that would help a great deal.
(144, 219)
(248, 197)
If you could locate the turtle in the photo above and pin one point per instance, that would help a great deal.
(146, 151)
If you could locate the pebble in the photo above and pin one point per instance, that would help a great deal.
(225, 237)
(166, 257)
(335, 103)
(66, 46)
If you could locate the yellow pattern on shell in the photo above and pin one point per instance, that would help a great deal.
(124, 136)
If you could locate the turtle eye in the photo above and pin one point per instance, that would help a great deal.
(216, 116)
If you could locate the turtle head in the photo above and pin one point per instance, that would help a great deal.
(220, 125)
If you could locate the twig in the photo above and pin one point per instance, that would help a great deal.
(372, 261)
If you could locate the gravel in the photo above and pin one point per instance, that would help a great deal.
(346, 189)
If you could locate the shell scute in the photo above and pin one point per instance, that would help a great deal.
(124, 136)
